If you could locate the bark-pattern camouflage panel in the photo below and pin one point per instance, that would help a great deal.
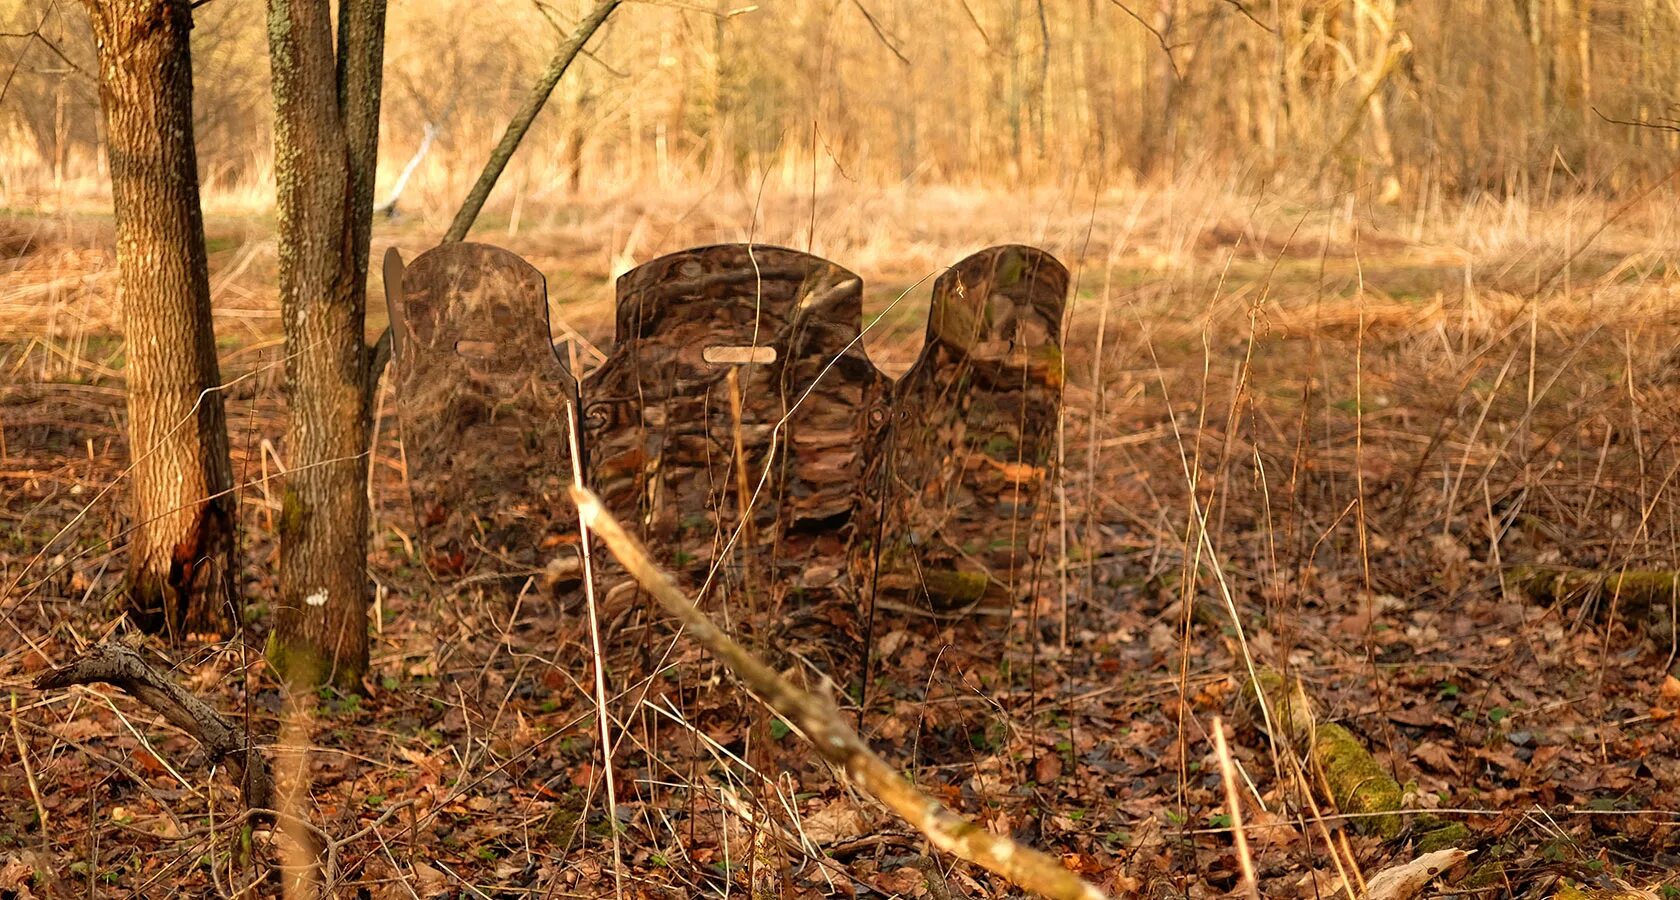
(482, 398)
(737, 376)
(965, 467)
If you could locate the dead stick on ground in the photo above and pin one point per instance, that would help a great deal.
(305, 846)
(123, 668)
(29, 775)
(819, 720)
(1228, 774)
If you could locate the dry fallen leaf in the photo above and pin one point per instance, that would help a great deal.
(15, 876)
(1668, 699)
(837, 821)
(1436, 756)
(431, 880)
(1048, 768)
(1407, 880)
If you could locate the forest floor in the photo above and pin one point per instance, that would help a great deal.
(1333, 441)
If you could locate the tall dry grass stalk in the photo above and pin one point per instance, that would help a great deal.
(301, 850)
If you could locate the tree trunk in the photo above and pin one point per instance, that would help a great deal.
(325, 132)
(179, 573)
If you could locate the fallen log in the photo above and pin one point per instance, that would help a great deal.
(1634, 591)
(1355, 782)
(1346, 773)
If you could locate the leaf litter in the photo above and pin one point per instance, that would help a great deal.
(1356, 475)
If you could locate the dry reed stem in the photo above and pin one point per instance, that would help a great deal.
(29, 774)
(1228, 775)
(598, 661)
(819, 721)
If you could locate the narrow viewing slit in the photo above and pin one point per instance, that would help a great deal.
(739, 355)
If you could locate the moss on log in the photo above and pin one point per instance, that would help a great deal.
(1358, 785)
(1635, 591)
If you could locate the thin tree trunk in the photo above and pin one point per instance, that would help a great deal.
(1160, 129)
(179, 573)
(1540, 86)
(326, 125)
(1583, 55)
(1016, 94)
(361, 63)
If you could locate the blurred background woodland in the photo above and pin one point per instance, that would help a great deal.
(1418, 101)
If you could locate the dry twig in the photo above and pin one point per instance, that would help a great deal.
(819, 721)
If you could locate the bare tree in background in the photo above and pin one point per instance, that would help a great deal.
(179, 573)
(326, 134)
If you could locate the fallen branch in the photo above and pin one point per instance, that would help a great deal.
(819, 721)
(388, 209)
(1408, 879)
(121, 667)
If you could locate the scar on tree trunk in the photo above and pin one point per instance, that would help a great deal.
(196, 595)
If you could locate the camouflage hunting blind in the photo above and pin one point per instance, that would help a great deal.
(737, 382)
(482, 399)
(739, 426)
(962, 467)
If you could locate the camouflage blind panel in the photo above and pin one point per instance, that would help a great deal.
(482, 397)
(737, 381)
(963, 471)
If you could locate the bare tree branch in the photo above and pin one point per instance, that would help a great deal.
(544, 10)
(1159, 37)
(1664, 124)
(1239, 7)
(522, 120)
(984, 37)
(819, 721)
(33, 33)
(879, 32)
(46, 42)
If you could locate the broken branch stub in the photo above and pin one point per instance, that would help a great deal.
(482, 397)
(737, 380)
(964, 466)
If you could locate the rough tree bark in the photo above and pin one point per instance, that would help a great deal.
(325, 142)
(326, 137)
(180, 579)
